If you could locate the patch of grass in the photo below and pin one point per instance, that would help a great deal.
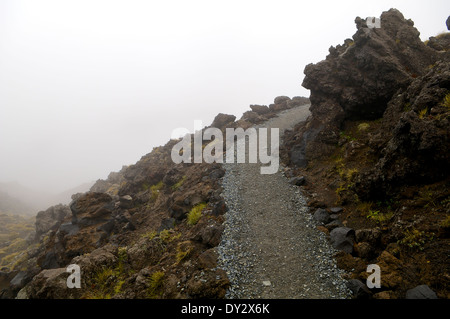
(350, 173)
(118, 286)
(195, 213)
(347, 181)
(155, 283)
(378, 217)
(446, 101)
(423, 113)
(178, 184)
(101, 282)
(13, 255)
(108, 281)
(363, 126)
(154, 190)
(346, 136)
(340, 192)
(364, 207)
(150, 235)
(415, 238)
(122, 253)
(445, 223)
(168, 235)
(182, 253)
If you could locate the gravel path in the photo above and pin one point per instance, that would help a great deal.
(270, 247)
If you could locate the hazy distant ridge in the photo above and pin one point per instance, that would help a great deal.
(18, 199)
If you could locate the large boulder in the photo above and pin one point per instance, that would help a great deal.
(50, 219)
(363, 74)
(342, 238)
(260, 109)
(221, 120)
(92, 208)
(322, 216)
(421, 292)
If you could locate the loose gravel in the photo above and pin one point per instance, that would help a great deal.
(271, 247)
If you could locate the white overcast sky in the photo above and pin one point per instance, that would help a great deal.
(88, 86)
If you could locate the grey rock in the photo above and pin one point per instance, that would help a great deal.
(166, 223)
(211, 235)
(336, 210)
(342, 238)
(334, 224)
(216, 174)
(51, 218)
(359, 289)
(260, 109)
(421, 292)
(281, 99)
(50, 261)
(69, 229)
(108, 226)
(19, 280)
(129, 227)
(126, 201)
(322, 216)
(297, 181)
(222, 119)
(219, 208)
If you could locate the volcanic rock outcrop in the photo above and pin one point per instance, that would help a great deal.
(358, 79)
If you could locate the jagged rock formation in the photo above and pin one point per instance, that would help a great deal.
(413, 139)
(358, 79)
(386, 73)
(377, 144)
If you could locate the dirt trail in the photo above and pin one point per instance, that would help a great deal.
(270, 247)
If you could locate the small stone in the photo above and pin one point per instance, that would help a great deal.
(297, 181)
(267, 283)
(336, 210)
(421, 292)
(322, 216)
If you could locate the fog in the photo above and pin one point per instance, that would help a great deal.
(89, 86)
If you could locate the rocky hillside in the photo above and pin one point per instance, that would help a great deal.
(377, 144)
(147, 231)
(372, 159)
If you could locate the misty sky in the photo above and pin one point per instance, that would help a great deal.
(88, 86)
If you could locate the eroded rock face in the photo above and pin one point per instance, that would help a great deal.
(50, 219)
(362, 75)
(414, 138)
(86, 225)
(358, 79)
